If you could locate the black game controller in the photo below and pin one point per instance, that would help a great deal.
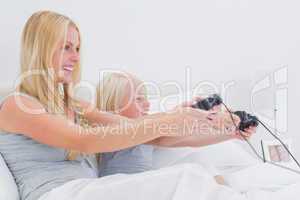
(247, 120)
(209, 102)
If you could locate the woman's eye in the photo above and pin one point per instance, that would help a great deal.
(67, 47)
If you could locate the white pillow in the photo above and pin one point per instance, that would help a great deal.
(222, 155)
(8, 187)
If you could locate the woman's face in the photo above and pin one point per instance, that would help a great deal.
(66, 56)
(135, 103)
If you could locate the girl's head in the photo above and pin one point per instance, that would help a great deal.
(49, 56)
(124, 94)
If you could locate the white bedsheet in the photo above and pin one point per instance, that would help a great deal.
(247, 179)
(181, 182)
(262, 176)
(223, 155)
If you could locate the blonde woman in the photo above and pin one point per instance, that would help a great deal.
(42, 138)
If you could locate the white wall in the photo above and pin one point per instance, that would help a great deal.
(220, 40)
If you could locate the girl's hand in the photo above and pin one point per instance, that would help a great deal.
(192, 102)
(195, 100)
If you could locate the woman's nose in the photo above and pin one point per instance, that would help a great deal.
(75, 56)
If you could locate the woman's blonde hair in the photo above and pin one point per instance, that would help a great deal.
(112, 90)
(40, 38)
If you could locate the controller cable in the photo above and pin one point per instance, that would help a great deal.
(254, 150)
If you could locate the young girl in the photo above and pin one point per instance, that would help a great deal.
(126, 95)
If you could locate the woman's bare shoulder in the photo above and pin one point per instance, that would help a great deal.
(17, 107)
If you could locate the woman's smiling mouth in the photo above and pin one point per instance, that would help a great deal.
(69, 68)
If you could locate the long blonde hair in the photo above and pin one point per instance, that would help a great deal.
(40, 39)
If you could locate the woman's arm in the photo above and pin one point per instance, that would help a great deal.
(97, 117)
(202, 140)
(190, 141)
(195, 141)
(58, 131)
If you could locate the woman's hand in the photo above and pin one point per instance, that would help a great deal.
(242, 135)
(237, 134)
(222, 122)
(196, 121)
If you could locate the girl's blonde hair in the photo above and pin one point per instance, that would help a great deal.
(40, 38)
(112, 90)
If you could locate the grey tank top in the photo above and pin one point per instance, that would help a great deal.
(39, 168)
(131, 160)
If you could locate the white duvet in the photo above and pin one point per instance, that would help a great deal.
(248, 180)
(187, 181)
